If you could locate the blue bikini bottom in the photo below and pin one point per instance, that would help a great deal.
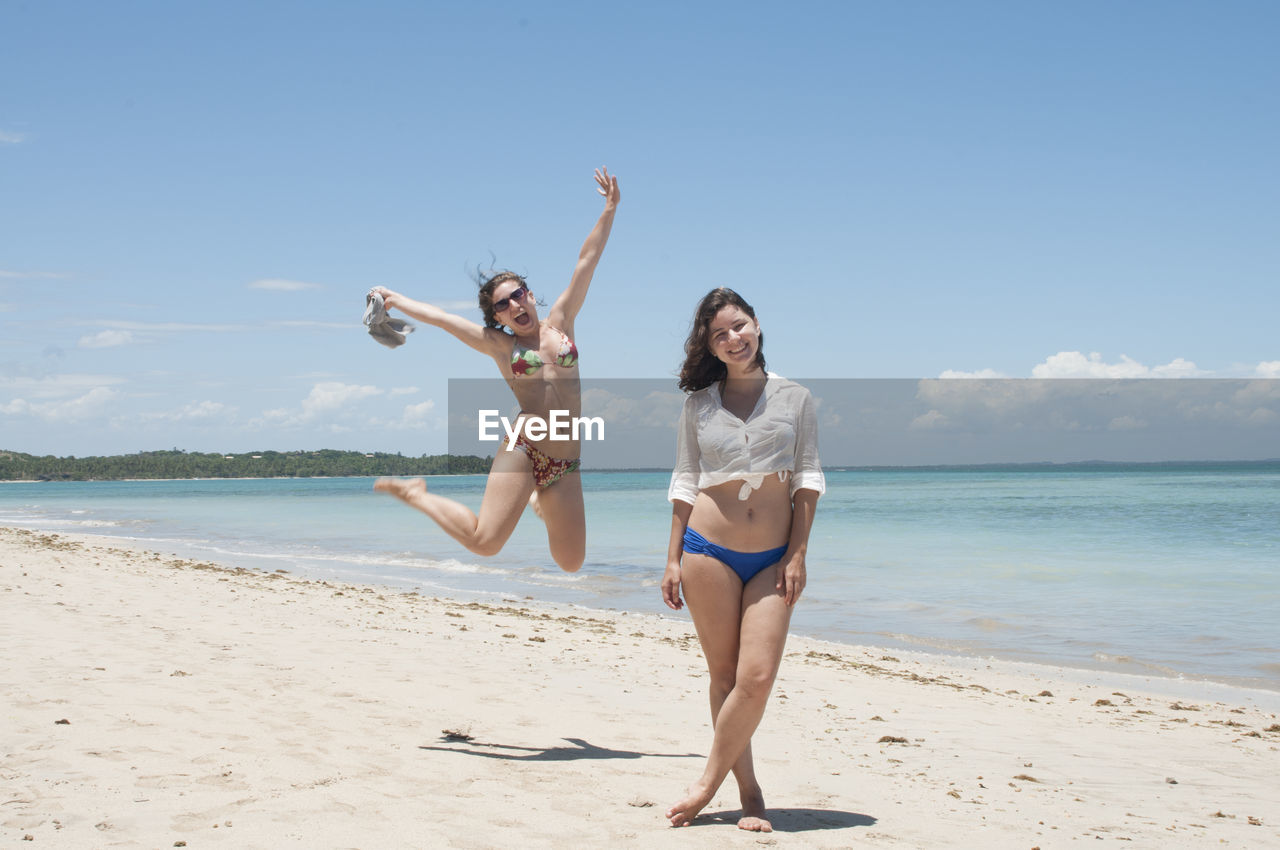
(745, 564)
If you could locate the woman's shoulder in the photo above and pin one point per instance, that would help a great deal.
(499, 336)
(500, 345)
(696, 399)
(788, 397)
(786, 387)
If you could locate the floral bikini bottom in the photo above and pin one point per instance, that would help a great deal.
(546, 470)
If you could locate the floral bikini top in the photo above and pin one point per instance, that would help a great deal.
(526, 361)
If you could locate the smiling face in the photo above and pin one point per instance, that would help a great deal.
(723, 334)
(520, 313)
(733, 338)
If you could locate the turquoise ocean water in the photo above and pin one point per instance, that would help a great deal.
(1153, 570)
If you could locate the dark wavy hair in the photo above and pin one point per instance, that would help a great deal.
(702, 368)
(488, 283)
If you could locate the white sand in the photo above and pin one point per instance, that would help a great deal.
(155, 702)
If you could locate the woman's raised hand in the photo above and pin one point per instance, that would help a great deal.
(386, 294)
(607, 185)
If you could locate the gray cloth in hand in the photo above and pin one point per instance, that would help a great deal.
(386, 330)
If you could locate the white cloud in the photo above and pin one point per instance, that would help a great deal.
(331, 395)
(404, 391)
(200, 411)
(10, 138)
(1048, 405)
(415, 412)
(1264, 392)
(1263, 418)
(1073, 364)
(934, 420)
(952, 374)
(655, 410)
(56, 386)
(980, 400)
(1252, 407)
(1126, 423)
(106, 339)
(416, 416)
(1176, 368)
(278, 285)
(1269, 369)
(327, 401)
(89, 405)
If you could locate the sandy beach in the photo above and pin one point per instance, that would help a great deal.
(153, 701)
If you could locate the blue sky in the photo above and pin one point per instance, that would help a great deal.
(195, 197)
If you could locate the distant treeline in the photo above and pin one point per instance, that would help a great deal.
(16, 466)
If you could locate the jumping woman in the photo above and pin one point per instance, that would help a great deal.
(539, 361)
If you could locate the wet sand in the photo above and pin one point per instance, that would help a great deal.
(155, 701)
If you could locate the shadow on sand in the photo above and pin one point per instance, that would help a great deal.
(580, 749)
(791, 820)
(783, 820)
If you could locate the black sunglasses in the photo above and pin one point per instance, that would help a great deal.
(517, 294)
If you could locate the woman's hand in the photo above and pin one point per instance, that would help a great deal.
(607, 185)
(791, 576)
(671, 587)
(387, 296)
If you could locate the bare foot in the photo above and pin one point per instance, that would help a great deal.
(683, 812)
(404, 489)
(533, 503)
(753, 813)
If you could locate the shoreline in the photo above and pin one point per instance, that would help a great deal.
(1100, 672)
(159, 699)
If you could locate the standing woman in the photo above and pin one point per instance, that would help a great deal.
(539, 361)
(743, 494)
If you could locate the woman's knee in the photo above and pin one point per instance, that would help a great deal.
(570, 564)
(755, 681)
(723, 678)
(486, 545)
(721, 687)
(569, 556)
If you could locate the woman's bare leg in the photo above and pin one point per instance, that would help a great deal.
(505, 495)
(560, 506)
(758, 619)
(766, 619)
(723, 678)
(714, 596)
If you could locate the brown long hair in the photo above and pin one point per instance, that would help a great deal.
(702, 368)
(487, 285)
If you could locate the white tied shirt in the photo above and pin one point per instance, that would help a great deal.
(779, 437)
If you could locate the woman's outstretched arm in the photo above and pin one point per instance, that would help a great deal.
(475, 335)
(566, 308)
